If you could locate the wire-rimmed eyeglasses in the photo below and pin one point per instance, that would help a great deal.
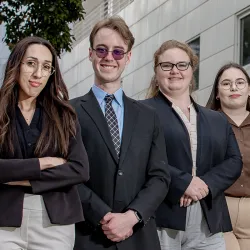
(227, 84)
(117, 54)
(32, 66)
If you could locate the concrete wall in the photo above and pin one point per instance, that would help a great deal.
(4, 53)
(153, 22)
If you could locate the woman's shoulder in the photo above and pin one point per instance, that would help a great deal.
(213, 114)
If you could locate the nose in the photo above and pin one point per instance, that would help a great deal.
(174, 70)
(38, 71)
(109, 56)
(233, 86)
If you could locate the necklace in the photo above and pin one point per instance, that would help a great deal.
(28, 115)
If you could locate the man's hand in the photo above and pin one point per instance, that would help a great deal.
(118, 226)
(197, 189)
(185, 201)
(19, 183)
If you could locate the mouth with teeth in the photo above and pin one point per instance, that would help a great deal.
(107, 66)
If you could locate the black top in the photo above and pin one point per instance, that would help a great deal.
(28, 135)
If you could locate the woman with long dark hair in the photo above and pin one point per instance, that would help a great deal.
(42, 157)
(230, 95)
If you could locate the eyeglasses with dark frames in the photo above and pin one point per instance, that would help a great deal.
(32, 66)
(168, 66)
(227, 84)
(117, 54)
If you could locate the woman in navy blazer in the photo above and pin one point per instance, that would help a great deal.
(42, 156)
(202, 151)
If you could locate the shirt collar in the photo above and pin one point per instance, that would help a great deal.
(100, 95)
(246, 122)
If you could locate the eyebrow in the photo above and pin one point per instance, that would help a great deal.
(37, 59)
(117, 47)
(240, 78)
(174, 63)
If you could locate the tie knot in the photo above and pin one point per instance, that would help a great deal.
(109, 98)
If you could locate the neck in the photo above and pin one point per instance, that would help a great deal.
(110, 87)
(182, 100)
(236, 114)
(27, 104)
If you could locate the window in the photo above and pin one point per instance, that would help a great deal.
(245, 40)
(108, 8)
(195, 45)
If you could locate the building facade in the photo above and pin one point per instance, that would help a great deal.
(218, 30)
(4, 53)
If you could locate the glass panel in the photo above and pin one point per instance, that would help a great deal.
(195, 45)
(245, 41)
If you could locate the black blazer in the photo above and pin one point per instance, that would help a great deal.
(57, 185)
(218, 164)
(139, 180)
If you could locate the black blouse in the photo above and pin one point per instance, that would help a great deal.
(28, 135)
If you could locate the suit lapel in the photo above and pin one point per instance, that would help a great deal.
(130, 118)
(174, 122)
(203, 140)
(17, 148)
(92, 107)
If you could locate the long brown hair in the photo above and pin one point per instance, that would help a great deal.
(153, 89)
(58, 116)
(214, 103)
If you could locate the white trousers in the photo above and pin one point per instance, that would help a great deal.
(36, 231)
(196, 237)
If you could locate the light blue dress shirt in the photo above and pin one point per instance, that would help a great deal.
(117, 105)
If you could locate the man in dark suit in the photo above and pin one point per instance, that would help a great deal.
(129, 175)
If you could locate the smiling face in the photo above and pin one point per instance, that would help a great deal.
(231, 96)
(107, 69)
(174, 82)
(34, 71)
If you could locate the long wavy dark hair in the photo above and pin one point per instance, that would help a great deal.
(213, 102)
(59, 118)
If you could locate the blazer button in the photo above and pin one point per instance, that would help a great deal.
(120, 173)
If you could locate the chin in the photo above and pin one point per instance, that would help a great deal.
(236, 105)
(32, 94)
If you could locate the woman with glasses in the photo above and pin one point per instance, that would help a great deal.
(203, 155)
(42, 157)
(230, 94)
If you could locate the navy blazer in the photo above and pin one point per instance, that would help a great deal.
(218, 164)
(57, 185)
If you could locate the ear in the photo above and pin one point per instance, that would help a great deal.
(128, 57)
(90, 54)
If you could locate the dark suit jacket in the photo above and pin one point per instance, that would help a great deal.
(57, 185)
(139, 180)
(218, 164)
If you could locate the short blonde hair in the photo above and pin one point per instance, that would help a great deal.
(153, 89)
